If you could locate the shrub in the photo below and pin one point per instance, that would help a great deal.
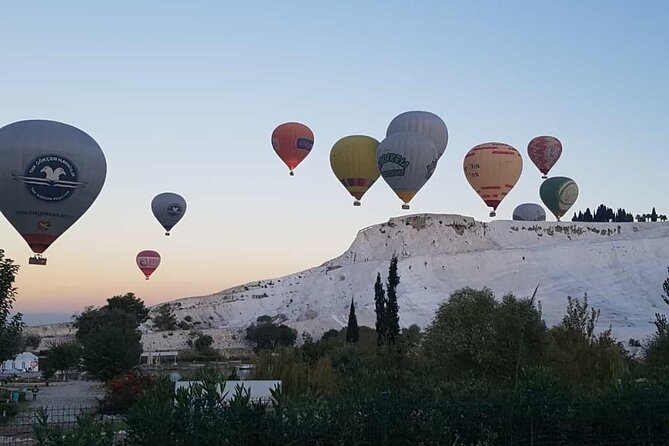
(122, 390)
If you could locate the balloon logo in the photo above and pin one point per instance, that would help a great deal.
(292, 142)
(148, 261)
(529, 212)
(168, 208)
(559, 194)
(493, 169)
(544, 151)
(353, 161)
(50, 175)
(406, 161)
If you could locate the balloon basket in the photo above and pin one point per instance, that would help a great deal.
(544, 176)
(493, 214)
(37, 260)
(356, 203)
(146, 278)
(405, 206)
(292, 174)
(167, 234)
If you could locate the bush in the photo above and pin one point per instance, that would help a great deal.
(123, 390)
(267, 335)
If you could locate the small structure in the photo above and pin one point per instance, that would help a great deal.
(157, 358)
(25, 362)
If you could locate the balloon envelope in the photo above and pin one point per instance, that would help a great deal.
(168, 208)
(292, 141)
(492, 169)
(559, 194)
(406, 161)
(544, 151)
(50, 174)
(353, 161)
(529, 212)
(148, 261)
(424, 123)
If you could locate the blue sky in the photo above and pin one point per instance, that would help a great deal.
(184, 97)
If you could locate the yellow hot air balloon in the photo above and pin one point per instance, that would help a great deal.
(353, 161)
(493, 169)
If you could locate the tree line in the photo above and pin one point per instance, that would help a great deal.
(604, 214)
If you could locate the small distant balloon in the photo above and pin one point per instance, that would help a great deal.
(544, 151)
(423, 123)
(493, 169)
(50, 175)
(529, 212)
(292, 141)
(168, 208)
(559, 194)
(148, 261)
(406, 161)
(353, 161)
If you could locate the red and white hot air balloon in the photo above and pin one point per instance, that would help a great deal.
(148, 261)
(544, 151)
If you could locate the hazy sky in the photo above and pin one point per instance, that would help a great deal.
(183, 97)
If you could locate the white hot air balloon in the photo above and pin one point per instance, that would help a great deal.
(423, 123)
(168, 208)
(406, 162)
(529, 212)
(50, 174)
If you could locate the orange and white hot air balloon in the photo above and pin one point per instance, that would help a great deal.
(148, 261)
(292, 141)
(493, 169)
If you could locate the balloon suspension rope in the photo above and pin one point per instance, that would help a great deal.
(356, 203)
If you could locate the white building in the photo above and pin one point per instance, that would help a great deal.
(24, 362)
(156, 358)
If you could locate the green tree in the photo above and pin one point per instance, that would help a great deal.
(165, 320)
(473, 334)
(32, 341)
(62, 356)
(11, 327)
(392, 307)
(129, 303)
(268, 335)
(114, 347)
(653, 216)
(656, 348)
(352, 330)
(380, 309)
(203, 343)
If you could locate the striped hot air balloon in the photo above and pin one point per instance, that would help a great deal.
(148, 261)
(353, 161)
(544, 151)
(559, 194)
(492, 170)
(292, 142)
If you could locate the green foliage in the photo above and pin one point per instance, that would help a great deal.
(86, 432)
(380, 309)
(123, 390)
(165, 320)
(113, 347)
(580, 356)
(203, 342)
(62, 356)
(392, 317)
(473, 334)
(352, 330)
(131, 304)
(656, 348)
(268, 335)
(10, 326)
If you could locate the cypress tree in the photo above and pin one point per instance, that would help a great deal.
(653, 216)
(352, 331)
(392, 308)
(380, 308)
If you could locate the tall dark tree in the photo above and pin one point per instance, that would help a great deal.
(352, 331)
(392, 307)
(380, 308)
(575, 217)
(653, 216)
(10, 326)
(580, 216)
(587, 216)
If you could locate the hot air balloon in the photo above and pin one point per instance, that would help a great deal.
(493, 169)
(529, 212)
(353, 161)
(559, 194)
(292, 141)
(406, 162)
(424, 123)
(148, 261)
(50, 174)
(544, 151)
(168, 208)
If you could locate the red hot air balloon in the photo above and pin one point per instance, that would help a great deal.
(544, 151)
(148, 262)
(292, 141)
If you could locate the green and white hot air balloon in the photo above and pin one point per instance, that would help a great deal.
(559, 194)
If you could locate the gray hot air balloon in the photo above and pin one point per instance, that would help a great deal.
(168, 209)
(529, 212)
(50, 174)
(424, 123)
(406, 161)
